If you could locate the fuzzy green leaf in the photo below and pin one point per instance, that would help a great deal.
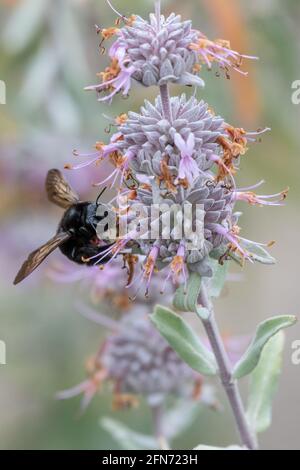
(216, 283)
(263, 334)
(264, 380)
(184, 341)
(186, 301)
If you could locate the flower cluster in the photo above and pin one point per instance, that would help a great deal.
(160, 51)
(190, 160)
(133, 357)
(138, 362)
(176, 152)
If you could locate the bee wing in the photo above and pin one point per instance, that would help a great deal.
(37, 257)
(59, 191)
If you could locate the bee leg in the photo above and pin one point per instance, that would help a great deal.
(90, 255)
(224, 257)
(124, 263)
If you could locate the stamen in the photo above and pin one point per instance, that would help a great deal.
(115, 11)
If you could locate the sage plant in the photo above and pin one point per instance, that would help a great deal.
(178, 152)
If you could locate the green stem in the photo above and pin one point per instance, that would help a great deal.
(230, 385)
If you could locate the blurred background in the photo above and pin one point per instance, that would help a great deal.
(48, 52)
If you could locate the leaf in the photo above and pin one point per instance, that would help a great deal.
(187, 301)
(264, 380)
(184, 341)
(216, 283)
(126, 437)
(263, 334)
(204, 447)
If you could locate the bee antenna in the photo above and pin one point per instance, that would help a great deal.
(97, 200)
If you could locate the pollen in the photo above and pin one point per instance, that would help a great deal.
(99, 146)
(117, 159)
(148, 266)
(108, 33)
(235, 230)
(110, 73)
(130, 20)
(197, 68)
(233, 147)
(177, 265)
(235, 248)
(121, 119)
(251, 198)
(166, 176)
(132, 195)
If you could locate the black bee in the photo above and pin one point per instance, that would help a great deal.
(76, 235)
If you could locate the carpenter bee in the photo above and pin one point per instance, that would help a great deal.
(76, 235)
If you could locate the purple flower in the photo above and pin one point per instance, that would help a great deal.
(116, 77)
(220, 52)
(177, 268)
(102, 151)
(138, 361)
(150, 265)
(260, 199)
(188, 167)
(88, 388)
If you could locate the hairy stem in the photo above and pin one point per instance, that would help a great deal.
(166, 104)
(164, 90)
(229, 384)
(157, 13)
